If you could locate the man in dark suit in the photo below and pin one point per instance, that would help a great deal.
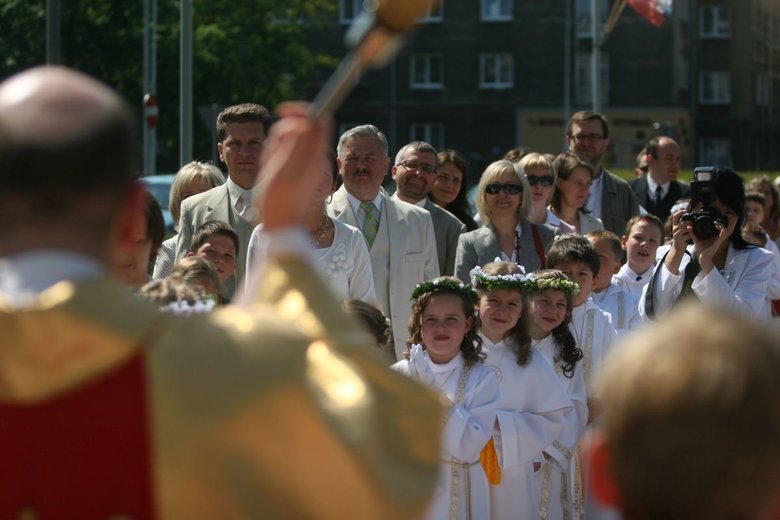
(415, 170)
(611, 198)
(659, 189)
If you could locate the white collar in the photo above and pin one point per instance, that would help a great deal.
(237, 191)
(652, 185)
(24, 276)
(354, 202)
(420, 203)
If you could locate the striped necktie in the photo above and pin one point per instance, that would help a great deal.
(370, 222)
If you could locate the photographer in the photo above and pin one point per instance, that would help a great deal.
(708, 259)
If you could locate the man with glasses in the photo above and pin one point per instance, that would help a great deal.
(400, 237)
(415, 170)
(611, 198)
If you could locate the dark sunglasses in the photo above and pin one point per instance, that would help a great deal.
(533, 180)
(509, 189)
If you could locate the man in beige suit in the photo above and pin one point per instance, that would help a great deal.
(275, 409)
(415, 170)
(400, 236)
(241, 133)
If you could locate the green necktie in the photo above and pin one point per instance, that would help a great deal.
(370, 222)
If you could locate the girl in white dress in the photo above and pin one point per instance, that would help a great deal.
(548, 317)
(444, 351)
(534, 409)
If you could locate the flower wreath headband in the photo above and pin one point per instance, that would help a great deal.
(536, 284)
(487, 282)
(443, 285)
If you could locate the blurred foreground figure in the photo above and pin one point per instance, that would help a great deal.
(692, 420)
(110, 408)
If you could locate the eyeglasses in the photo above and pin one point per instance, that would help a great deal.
(546, 180)
(509, 189)
(418, 167)
(581, 138)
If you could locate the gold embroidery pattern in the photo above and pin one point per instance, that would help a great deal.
(544, 502)
(621, 310)
(588, 348)
(456, 466)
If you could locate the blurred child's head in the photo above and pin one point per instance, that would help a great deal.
(644, 233)
(198, 273)
(610, 251)
(549, 312)
(754, 234)
(443, 320)
(174, 296)
(217, 242)
(371, 317)
(755, 205)
(501, 287)
(577, 259)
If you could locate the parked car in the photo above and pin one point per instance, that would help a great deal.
(160, 187)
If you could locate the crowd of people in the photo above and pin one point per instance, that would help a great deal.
(510, 317)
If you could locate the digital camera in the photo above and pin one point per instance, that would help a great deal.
(703, 189)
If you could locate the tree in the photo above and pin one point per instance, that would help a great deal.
(242, 51)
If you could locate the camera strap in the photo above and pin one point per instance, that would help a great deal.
(691, 270)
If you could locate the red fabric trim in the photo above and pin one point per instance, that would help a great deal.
(85, 454)
(538, 244)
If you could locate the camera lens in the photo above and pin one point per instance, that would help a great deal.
(704, 227)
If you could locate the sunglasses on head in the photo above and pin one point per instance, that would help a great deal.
(545, 180)
(509, 189)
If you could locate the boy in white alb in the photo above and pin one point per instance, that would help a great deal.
(592, 329)
(621, 304)
(644, 233)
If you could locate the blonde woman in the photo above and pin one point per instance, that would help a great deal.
(504, 204)
(193, 178)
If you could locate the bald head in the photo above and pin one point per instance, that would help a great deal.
(60, 128)
(67, 162)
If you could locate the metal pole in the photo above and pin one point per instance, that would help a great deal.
(185, 84)
(53, 32)
(153, 85)
(146, 67)
(595, 62)
(567, 51)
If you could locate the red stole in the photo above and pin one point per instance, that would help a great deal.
(84, 454)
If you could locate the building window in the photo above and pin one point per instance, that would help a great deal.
(583, 16)
(496, 71)
(583, 84)
(434, 14)
(762, 89)
(714, 21)
(431, 133)
(715, 152)
(496, 10)
(425, 71)
(349, 10)
(714, 87)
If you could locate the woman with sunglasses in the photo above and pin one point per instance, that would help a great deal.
(572, 188)
(504, 204)
(541, 178)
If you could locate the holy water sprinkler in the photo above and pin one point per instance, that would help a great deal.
(375, 37)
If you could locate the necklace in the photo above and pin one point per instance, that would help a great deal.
(318, 234)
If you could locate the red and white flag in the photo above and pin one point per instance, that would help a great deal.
(654, 11)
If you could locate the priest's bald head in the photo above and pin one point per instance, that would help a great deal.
(67, 162)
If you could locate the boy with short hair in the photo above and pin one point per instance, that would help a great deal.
(644, 233)
(592, 329)
(755, 207)
(622, 305)
(217, 242)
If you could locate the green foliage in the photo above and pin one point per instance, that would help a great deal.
(242, 51)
